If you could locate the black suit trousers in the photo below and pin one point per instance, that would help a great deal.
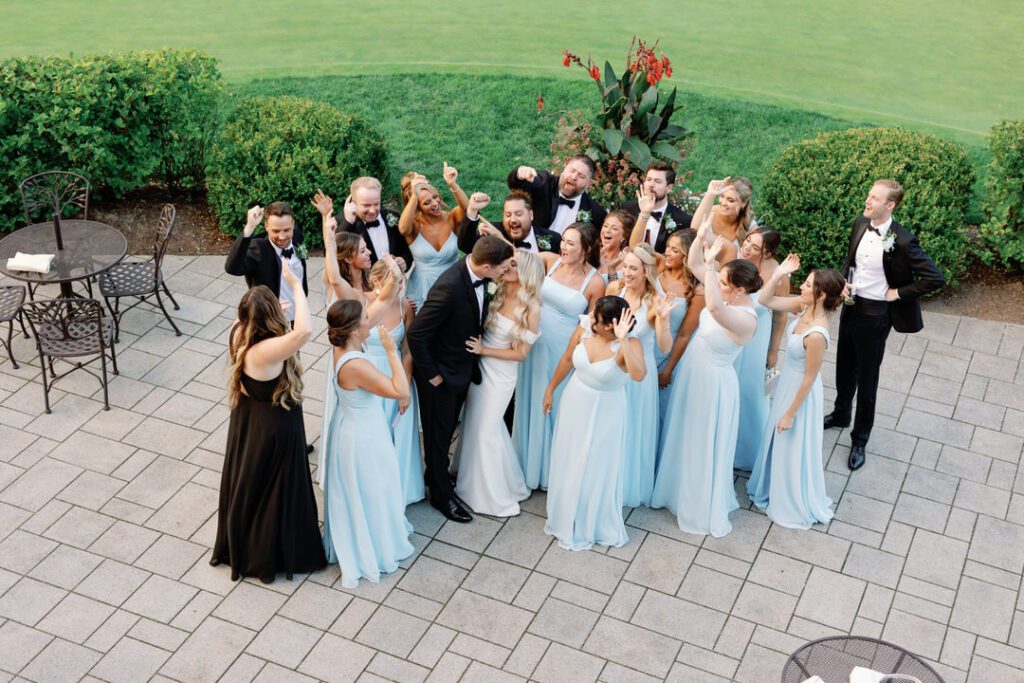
(439, 414)
(863, 330)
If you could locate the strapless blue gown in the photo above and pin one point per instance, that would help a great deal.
(788, 481)
(365, 529)
(561, 307)
(694, 478)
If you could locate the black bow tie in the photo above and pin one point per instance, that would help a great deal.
(568, 202)
(656, 215)
(480, 283)
(287, 253)
(522, 244)
(374, 224)
(875, 230)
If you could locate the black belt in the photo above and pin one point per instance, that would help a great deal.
(870, 306)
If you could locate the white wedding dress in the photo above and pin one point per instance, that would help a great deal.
(490, 477)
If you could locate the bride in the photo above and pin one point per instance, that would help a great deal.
(490, 479)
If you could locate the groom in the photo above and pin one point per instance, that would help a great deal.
(453, 312)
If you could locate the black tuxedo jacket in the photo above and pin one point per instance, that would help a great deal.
(681, 218)
(396, 242)
(437, 336)
(255, 259)
(908, 270)
(543, 192)
(468, 236)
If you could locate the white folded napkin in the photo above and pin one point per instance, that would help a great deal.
(32, 263)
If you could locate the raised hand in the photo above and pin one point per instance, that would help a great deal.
(704, 232)
(623, 324)
(645, 201)
(450, 174)
(386, 340)
(253, 218)
(527, 173)
(349, 209)
(711, 254)
(330, 230)
(477, 201)
(288, 275)
(487, 228)
(664, 304)
(717, 187)
(790, 265)
(323, 204)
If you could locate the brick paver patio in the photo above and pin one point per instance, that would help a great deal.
(107, 519)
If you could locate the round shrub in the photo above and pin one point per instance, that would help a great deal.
(283, 149)
(817, 188)
(1003, 229)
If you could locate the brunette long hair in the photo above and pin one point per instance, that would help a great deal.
(259, 318)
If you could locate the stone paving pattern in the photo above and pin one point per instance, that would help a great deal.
(107, 519)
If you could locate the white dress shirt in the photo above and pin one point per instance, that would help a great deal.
(531, 242)
(566, 215)
(379, 237)
(294, 265)
(479, 291)
(654, 224)
(869, 279)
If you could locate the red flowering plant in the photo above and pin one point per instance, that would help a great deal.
(633, 126)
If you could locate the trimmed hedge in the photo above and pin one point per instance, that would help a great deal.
(817, 188)
(1003, 229)
(119, 120)
(283, 149)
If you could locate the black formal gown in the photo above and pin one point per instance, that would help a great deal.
(267, 518)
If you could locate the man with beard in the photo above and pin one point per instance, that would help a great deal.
(560, 201)
(516, 225)
(378, 227)
(657, 218)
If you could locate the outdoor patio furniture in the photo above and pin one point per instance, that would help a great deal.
(67, 329)
(55, 195)
(83, 250)
(141, 279)
(11, 298)
(833, 658)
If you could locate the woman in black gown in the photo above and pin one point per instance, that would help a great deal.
(267, 518)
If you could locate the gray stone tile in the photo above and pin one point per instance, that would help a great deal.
(631, 646)
(561, 664)
(875, 566)
(587, 568)
(881, 481)
(780, 573)
(393, 632)
(170, 557)
(29, 600)
(921, 512)
(760, 664)
(983, 609)
(748, 531)
(999, 445)
(710, 588)
(432, 579)
(485, 618)
(526, 656)
(336, 659)
(497, 580)
(314, 605)
(475, 536)
(249, 606)
(92, 452)
(998, 543)
(208, 652)
(864, 512)
(764, 605)
(920, 636)
(112, 631)
(61, 661)
(75, 618)
(661, 563)
(812, 547)
(186, 511)
(916, 423)
(65, 567)
(39, 484)
(165, 438)
(936, 559)
(679, 619)
(494, 656)
(19, 644)
(158, 482)
(159, 598)
(830, 598)
(91, 490)
(563, 623)
(986, 500)
(22, 551)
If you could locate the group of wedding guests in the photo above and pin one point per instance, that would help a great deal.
(614, 359)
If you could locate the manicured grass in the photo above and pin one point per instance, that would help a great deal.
(485, 125)
(945, 66)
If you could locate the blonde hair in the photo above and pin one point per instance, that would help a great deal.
(649, 261)
(744, 191)
(259, 318)
(364, 183)
(531, 277)
(895, 190)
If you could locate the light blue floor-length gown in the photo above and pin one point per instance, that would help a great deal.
(788, 481)
(694, 478)
(430, 264)
(405, 428)
(674, 325)
(560, 309)
(365, 529)
(641, 422)
(584, 501)
(754, 404)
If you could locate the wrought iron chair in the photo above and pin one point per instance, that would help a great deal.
(11, 299)
(55, 193)
(141, 279)
(71, 328)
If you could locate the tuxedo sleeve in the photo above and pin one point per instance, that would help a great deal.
(242, 259)
(429, 318)
(343, 224)
(927, 276)
(468, 234)
(597, 216)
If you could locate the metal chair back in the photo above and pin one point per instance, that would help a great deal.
(54, 192)
(164, 230)
(66, 327)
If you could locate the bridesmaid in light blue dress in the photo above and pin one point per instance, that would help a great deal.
(761, 353)
(584, 502)
(788, 481)
(638, 286)
(365, 529)
(402, 416)
(571, 287)
(430, 230)
(695, 479)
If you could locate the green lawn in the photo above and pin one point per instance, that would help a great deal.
(945, 66)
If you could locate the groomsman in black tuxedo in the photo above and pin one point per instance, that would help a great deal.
(454, 311)
(891, 272)
(259, 259)
(378, 227)
(657, 217)
(560, 201)
(516, 224)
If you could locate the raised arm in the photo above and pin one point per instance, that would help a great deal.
(630, 357)
(707, 202)
(737, 322)
(778, 319)
(239, 261)
(645, 202)
(695, 255)
(768, 295)
(451, 176)
(468, 233)
(562, 370)
(278, 349)
(663, 306)
(815, 345)
(407, 220)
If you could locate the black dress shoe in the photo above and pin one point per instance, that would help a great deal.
(856, 460)
(834, 421)
(309, 448)
(453, 511)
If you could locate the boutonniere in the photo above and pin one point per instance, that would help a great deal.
(889, 241)
(389, 220)
(670, 225)
(301, 252)
(544, 243)
(583, 216)
(491, 289)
